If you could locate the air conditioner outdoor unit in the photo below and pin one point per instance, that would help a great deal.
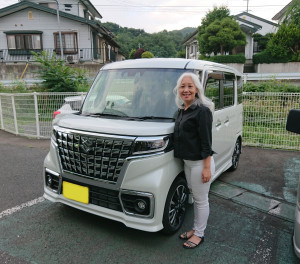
(70, 59)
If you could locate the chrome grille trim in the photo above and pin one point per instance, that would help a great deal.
(91, 155)
(93, 134)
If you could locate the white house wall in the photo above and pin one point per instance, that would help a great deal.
(76, 9)
(191, 49)
(47, 23)
(41, 1)
(81, 11)
(249, 47)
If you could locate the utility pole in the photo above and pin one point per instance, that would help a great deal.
(247, 5)
(59, 31)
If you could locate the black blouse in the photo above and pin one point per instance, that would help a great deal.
(192, 134)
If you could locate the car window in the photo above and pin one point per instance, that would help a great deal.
(134, 93)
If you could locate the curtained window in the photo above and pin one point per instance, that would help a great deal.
(69, 42)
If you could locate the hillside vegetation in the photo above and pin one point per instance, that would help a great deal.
(164, 44)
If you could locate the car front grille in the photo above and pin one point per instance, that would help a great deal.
(91, 156)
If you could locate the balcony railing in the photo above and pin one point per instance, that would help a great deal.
(79, 55)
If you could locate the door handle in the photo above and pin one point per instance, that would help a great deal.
(226, 121)
(218, 124)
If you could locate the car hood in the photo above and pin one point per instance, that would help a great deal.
(114, 126)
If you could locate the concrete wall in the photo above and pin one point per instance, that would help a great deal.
(277, 67)
(237, 66)
(14, 71)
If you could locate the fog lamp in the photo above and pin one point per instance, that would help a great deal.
(140, 205)
(49, 180)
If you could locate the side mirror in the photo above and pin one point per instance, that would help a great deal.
(216, 75)
(293, 121)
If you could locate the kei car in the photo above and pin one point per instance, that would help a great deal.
(114, 157)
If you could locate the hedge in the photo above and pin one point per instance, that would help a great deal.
(279, 86)
(266, 57)
(228, 58)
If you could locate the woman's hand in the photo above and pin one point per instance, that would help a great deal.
(206, 175)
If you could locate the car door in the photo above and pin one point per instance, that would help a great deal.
(220, 88)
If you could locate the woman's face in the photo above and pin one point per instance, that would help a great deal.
(187, 90)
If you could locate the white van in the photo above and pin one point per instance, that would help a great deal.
(114, 158)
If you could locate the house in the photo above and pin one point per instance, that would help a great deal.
(249, 24)
(281, 14)
(32, 25)
(191, 46)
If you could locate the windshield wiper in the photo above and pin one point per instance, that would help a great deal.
(104, 114)
(154, 117)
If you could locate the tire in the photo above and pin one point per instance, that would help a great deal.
(175, 206)
(236, 155)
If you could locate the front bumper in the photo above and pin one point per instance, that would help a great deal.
(151, 176)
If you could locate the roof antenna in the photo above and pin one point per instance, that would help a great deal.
(247, 5)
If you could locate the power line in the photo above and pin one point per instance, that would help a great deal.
(126, 4)
(176, 6)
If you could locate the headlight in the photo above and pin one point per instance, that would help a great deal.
(145, 145)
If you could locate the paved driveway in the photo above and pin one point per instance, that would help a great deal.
(33, 230)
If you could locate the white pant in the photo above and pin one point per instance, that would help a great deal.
(193, 173)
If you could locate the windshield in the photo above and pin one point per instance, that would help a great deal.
(133, 93)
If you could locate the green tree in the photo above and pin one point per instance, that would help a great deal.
(261, 40)
(131, 54)
(57, 76)
(223, 36)
(181, 54)
(218, 13)
(163, 44)
(147, 54)
(138, 53)
(286, 41)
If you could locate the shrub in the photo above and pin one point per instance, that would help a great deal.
(261, 40)
(131, 54)
(180, 54)
(240, 58)
(203, 57)
(138, 53)
(147, 54)
(57, 76)
(17, 86)
(271, 86)
(266, 57)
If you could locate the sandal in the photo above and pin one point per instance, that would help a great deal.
(184, 236)
(191, 244)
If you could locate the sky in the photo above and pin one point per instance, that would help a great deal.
(154, 16)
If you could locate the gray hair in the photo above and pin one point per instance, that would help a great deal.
(200, 97)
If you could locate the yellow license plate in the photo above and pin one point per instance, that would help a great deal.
(76, 192)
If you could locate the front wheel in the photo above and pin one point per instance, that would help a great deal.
(175, 206)
(236, 155)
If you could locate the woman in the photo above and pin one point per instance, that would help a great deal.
(192, 144)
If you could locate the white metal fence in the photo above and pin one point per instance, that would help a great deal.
(265, 116)
(30, 114)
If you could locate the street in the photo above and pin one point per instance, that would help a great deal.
(245, 225)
